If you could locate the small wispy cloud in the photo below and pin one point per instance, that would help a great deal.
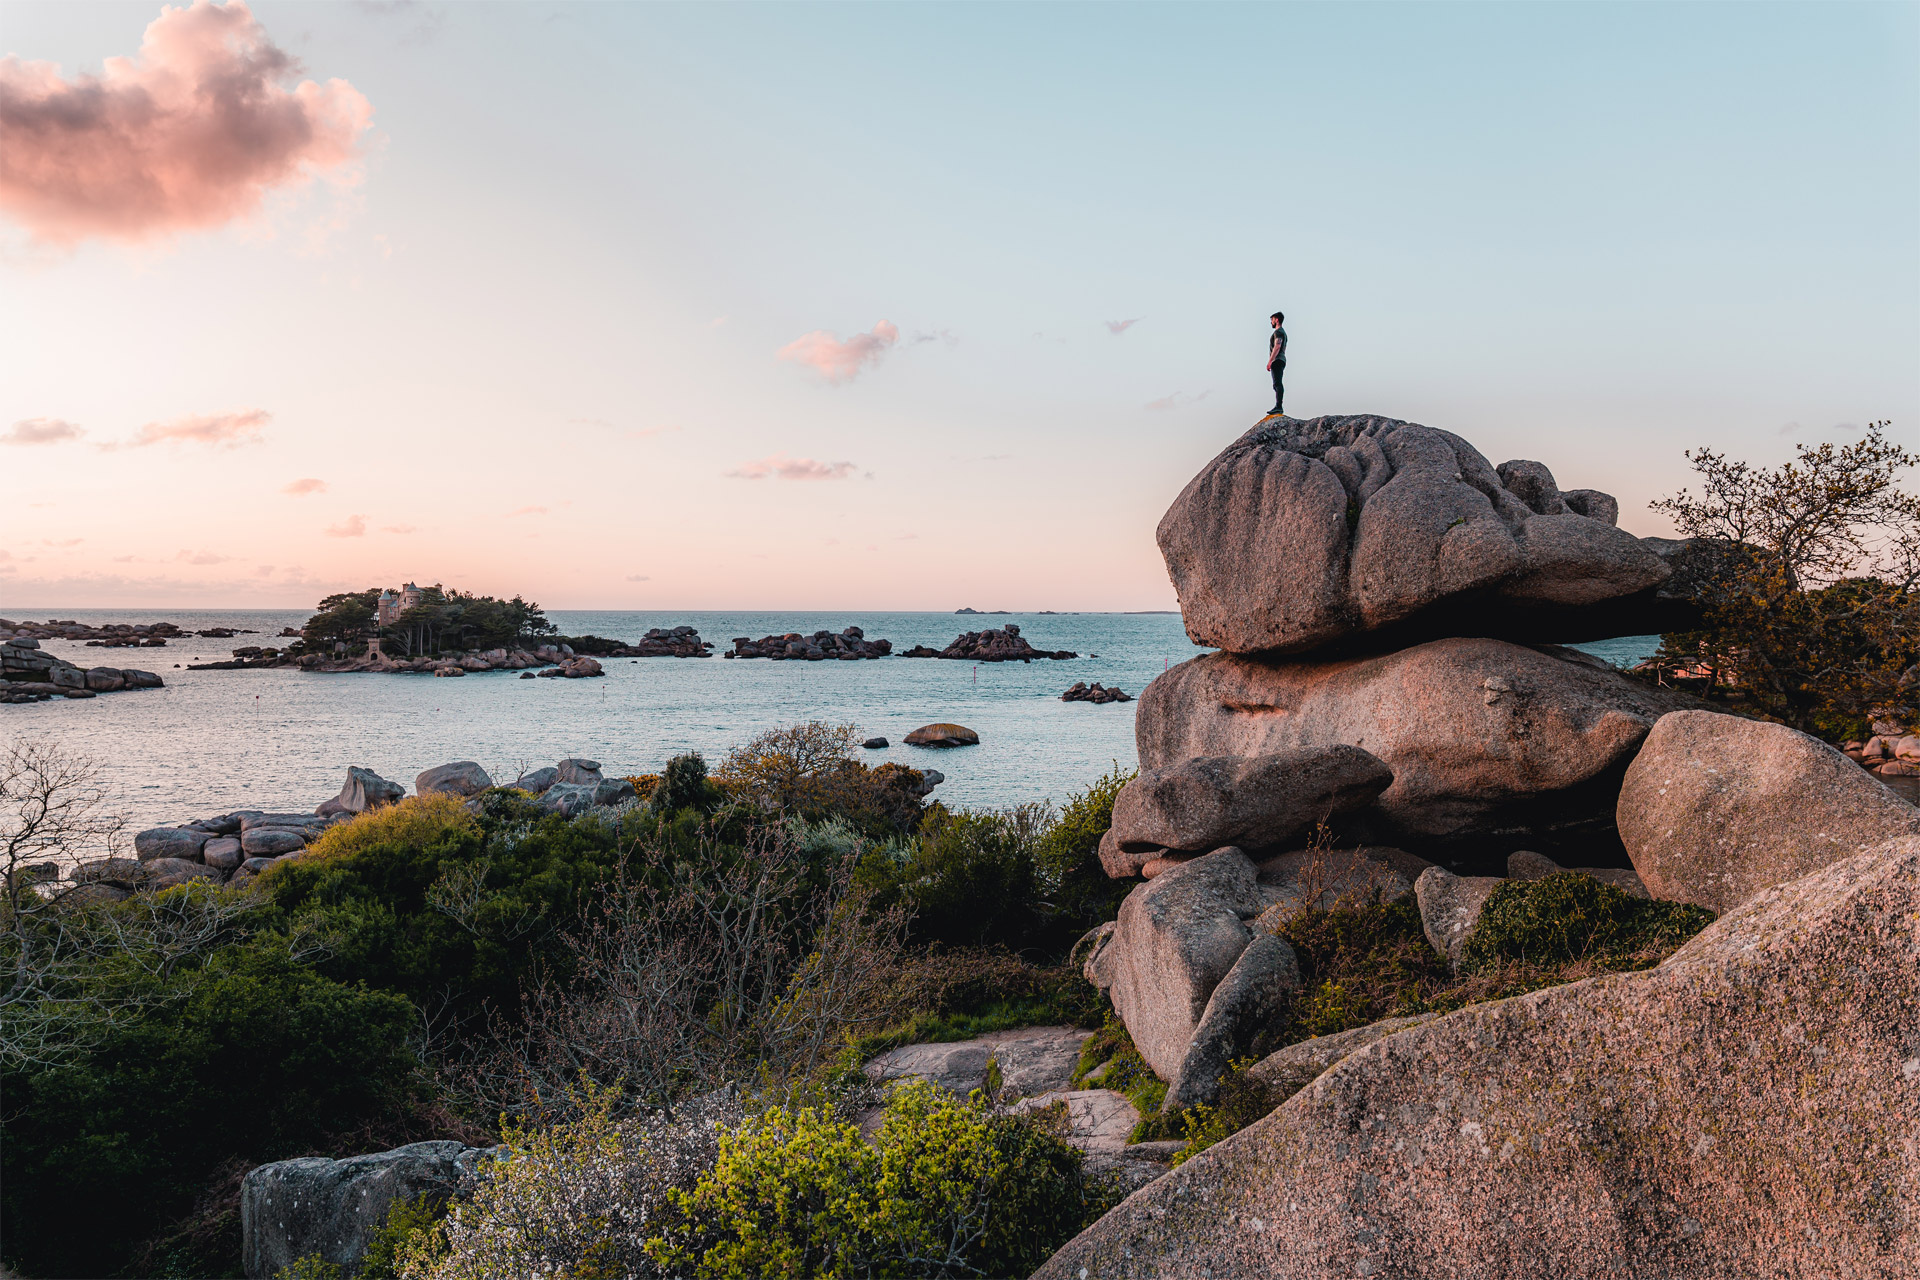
(202, 557)
(1178, 400)
(226, 430)
(838, 361)
(639, 577)
(351, 527)
(1118, 327)
(301, 488)
(938, 335)
(63, 542)
(526, 511)
(398, 528)
(40, 431)
(781, 467)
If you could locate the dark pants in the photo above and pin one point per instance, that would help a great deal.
(1279, 395)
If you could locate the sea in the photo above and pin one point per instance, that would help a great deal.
(281, 739)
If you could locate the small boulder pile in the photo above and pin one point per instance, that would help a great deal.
(1095, 692)
(850, 645)
(664, 642)
(1004, 644)
(1892, 752)
(575, 668)
(29, 675)
(574, 786)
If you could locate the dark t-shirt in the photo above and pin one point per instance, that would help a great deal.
(1277, 347)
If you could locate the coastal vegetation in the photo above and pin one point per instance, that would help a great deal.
(440, 619)
(1808, 585)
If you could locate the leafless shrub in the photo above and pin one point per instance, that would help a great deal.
(52, 809)
(740, 965)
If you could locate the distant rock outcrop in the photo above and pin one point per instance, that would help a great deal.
(1082, 692)
(29, 675)
(847, 646)
(1004, 644)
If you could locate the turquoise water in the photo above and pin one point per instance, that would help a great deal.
(213, 741)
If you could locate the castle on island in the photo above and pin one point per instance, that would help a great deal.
(392, 604)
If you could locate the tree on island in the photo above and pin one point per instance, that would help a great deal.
(461, 620)
(1810, 591)
(442, 619)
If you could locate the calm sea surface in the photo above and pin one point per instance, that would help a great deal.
(213, 741)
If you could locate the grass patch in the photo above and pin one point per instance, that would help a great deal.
(1567, 917)
(1109, 1060)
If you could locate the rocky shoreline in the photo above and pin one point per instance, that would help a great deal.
(28, 675)
(850, 645)
(232, 848)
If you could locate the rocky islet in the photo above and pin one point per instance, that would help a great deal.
(27, 674)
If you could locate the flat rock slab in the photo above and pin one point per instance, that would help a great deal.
(1098, 1120)
(1033, 1060)
(1746, 1108)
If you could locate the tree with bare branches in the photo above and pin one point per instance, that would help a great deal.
(1811, 602)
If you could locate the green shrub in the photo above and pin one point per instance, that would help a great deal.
(970, 879)
(1243, 1100)
(1568, 916)
(946, 1189)
(683, 785)
(1109, 1060)
(1068, 854)
(311, 1267)
(387, 1248)
(251, 1056)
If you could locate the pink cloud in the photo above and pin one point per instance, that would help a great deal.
(192, 132)
(839, 361)
(229, 429)
(785, 468)
(301, 488)
(398, 528)
(1118, 327)
(351, 527)
(40, 431)
(202, 557)
(526, 511)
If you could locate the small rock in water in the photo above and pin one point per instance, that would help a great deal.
(943, 735)
(874, 744)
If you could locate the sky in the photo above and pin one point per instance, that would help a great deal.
(873, 306)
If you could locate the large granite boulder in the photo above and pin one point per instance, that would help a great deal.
(1746, 1108)
(1306, 533)
(1175, 938)
(1245, 1001)
(170, 842)
(223, 853)
(314, 1206)
(1716, 808)
(1484, 738)
(267, 842)
(363, 790)
(579, 772)
(461, 778)
(164, 873)
(1255, 802)
(1450, 908)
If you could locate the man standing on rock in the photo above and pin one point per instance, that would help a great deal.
(1277, 362)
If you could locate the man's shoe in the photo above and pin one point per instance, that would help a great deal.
(1275, 412)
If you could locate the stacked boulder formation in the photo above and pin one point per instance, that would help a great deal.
(29, 675)
(1003, 644)
(850, 645)
(1390, 696)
